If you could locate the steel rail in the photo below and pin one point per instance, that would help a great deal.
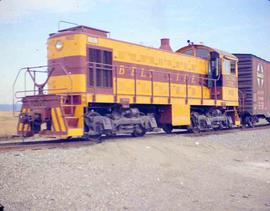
(79, 142)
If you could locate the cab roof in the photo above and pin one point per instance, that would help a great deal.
(82, 29)
(210, 49)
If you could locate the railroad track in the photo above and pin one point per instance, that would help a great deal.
(76, 142)
(48, 144)
(225, 131)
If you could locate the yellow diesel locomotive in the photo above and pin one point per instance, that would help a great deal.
(97, 85)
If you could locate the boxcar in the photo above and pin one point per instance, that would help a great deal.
(254, 82)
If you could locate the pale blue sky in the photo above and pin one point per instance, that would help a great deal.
(241, 26)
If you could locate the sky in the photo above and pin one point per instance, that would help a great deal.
(236, 26)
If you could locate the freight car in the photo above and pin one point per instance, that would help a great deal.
(97, 85)
(253, 81)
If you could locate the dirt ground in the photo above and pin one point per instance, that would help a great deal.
(7, 124)
(156, 172)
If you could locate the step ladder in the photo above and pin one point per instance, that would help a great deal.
(71, 114)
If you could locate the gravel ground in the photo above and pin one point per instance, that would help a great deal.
(176, 172)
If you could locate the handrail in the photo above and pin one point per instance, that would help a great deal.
(14, 107)
(201, 83)
(33, 91)
(242, 105)
(31, 71)
(130, 67)
(59, 24)
(116, 83)
(184, 74)
(186, 80)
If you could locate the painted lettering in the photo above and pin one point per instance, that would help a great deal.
(133, 70)
(121, 70)
(143, 73)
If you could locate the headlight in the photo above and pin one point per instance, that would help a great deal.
(58, 44)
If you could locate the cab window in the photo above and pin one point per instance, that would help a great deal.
(189, 52)
(100, 67)
(202, 53)
(229, 66)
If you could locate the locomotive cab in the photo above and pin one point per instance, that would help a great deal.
(222, 71)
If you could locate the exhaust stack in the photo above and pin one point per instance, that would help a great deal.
(165, 44)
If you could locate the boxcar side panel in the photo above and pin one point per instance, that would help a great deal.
(261, 85)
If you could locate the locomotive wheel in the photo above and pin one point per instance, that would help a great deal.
(89, 127)
(223, 125)
(249, 121)
(139, 131)
(194, 127)
(167, 128)
(229, 122)
(195, 130)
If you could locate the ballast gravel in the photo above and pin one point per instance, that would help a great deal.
(157, 172)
